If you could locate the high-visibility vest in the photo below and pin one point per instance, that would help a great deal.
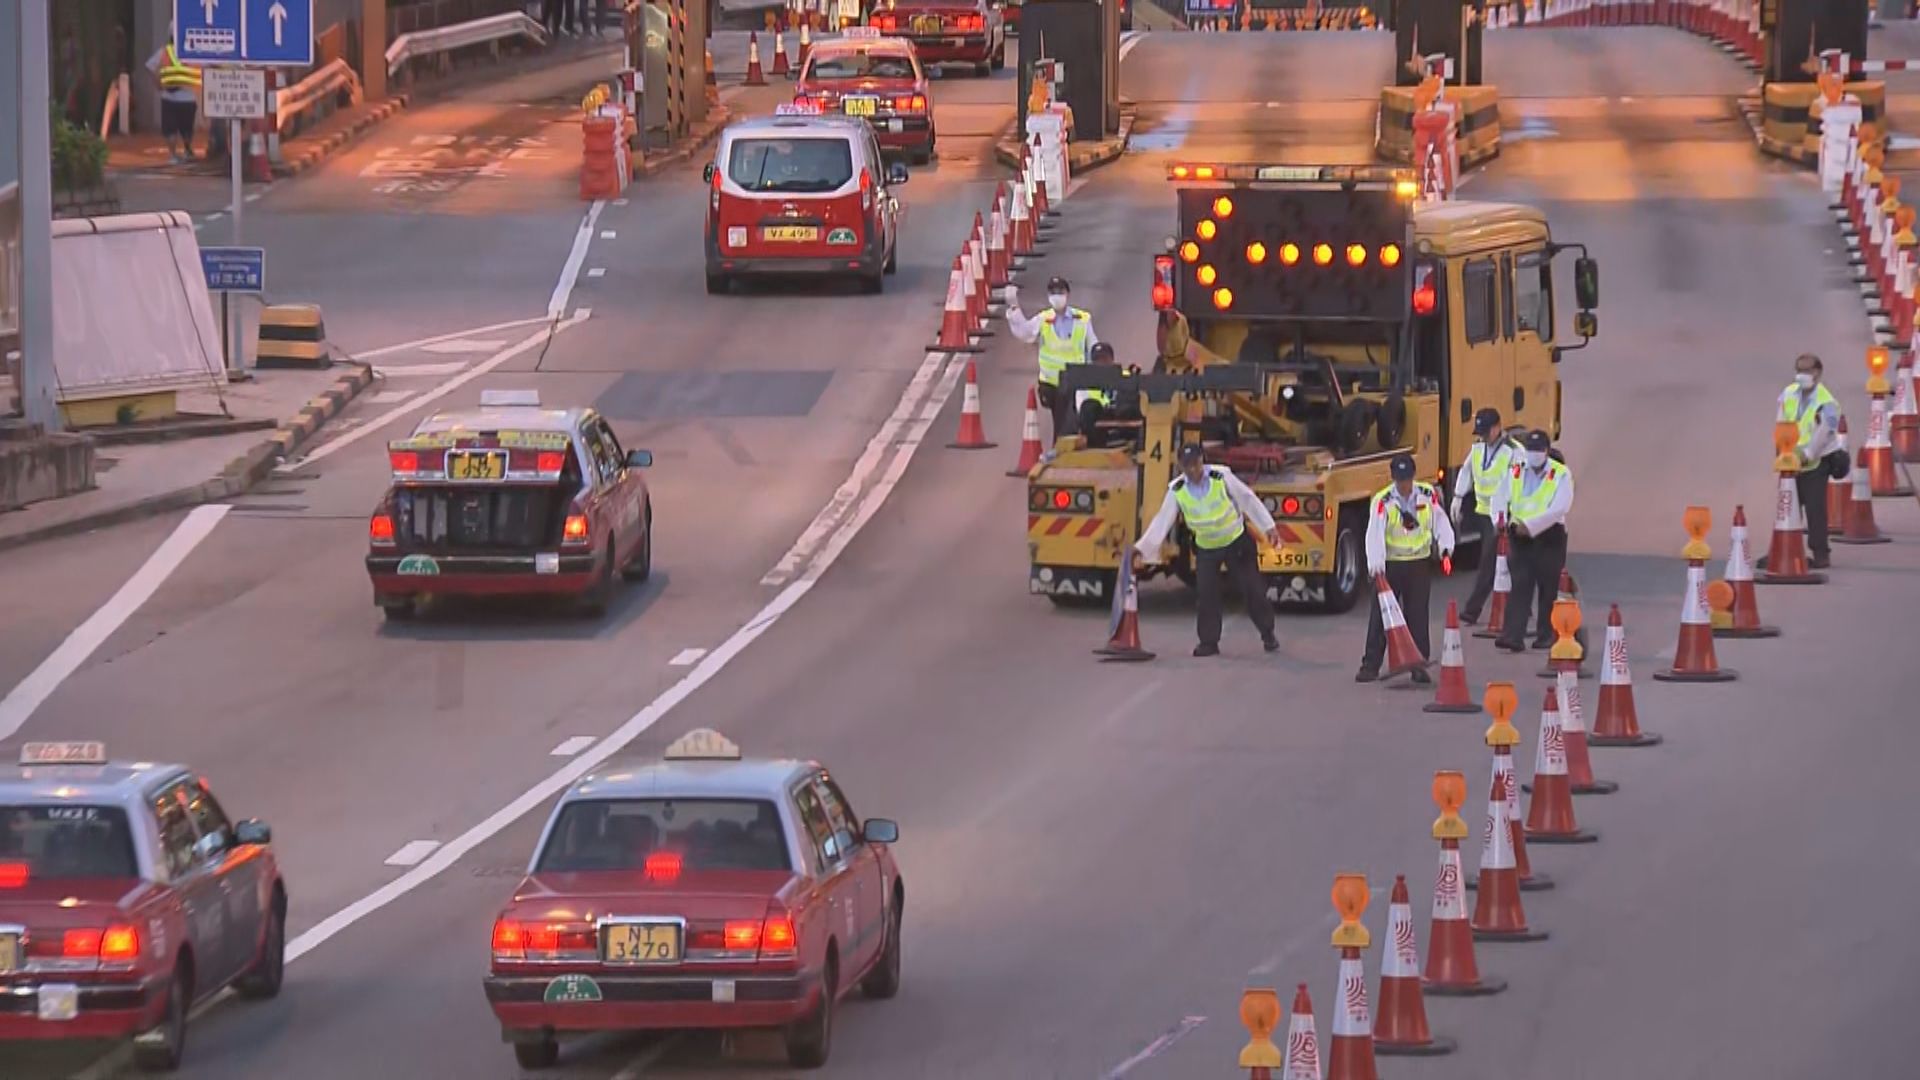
(1211, 517)
(1795, 409)
(1057, 352)
(1521, 505)
(1404, 544)
(174, 74)
(1101, 396)
(1487, 475)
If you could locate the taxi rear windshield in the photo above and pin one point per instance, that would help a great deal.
(862, 65)
(57, 842)
(799, 165)
(707, 834)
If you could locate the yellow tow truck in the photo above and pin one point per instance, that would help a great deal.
(1313, 321)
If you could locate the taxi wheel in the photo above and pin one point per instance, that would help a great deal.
(982, 70)
(263, 980)
(893, 259)
(537, 1055)
(641, 568)
(719, 284)
(809, 1040)
(884, 980)
(1000, 58)
(593, 603)
(165, 1055)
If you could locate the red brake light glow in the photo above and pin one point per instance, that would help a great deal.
(13, 875)
(663, 866)
(380, 529)
(742, 935)
(120, 943)
(404, 461)
(777, 935)
(509, 938)
(575, 530)
(80, 945)
(550, 461)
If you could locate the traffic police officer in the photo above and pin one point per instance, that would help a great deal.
(1810, 406)
(1065, 336)
(1216, 507)
(1488, 462)
(1534, 503)
(1405, 531)
(1095, 406)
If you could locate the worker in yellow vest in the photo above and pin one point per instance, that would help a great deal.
(1810, 406)
(1406, 531)
(1216, 507)
(1065, 336)
(1488, 462)
(1534, 503)
(179, 100)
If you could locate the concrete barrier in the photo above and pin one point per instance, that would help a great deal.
(1789, 112)
(36, 466)
(1478, 131)
(292, 336)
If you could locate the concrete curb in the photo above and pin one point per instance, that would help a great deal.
(718, 117)
(1081, 157)
(239, 475)
(299, 159)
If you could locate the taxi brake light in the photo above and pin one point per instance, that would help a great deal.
(885, 22)
(404, 461)
(550, 461)
(866, 190)
(13, 875)
(120, 942)
(663, 866)
(742, 935)
(380, 529)
(575, 531)
(80, 945)
(509, 939)
(777, 938)
(1322, 254)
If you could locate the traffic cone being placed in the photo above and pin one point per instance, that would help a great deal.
(1858, 526)
(780, 65)
(1616, 722)
(1350, 1056)
(1497, 912)
(755, 76)
(1502, 586)
(1787, 554)
(1693, 658)
(1453, 695)
(1451, 968)
(953, 321)
(1745, 621)
(1030, 448)
(1403, 655)
(1303, 1040)
(1123, 642)
(1884, 480)
(1839, 492)
(1402, 1027)
(972, 435)
(1550, 817)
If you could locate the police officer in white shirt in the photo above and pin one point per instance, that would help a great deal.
(1065, 336)
(1216, 507)
(1534, 503)
(1488, 463)
(1406, 531)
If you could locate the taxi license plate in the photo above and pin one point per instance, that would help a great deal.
(926, 24)
(9, 952)
(476, 465)
(791, 233)
(859, 106)
(640, 943)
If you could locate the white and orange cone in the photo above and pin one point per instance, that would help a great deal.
(1502, 587)
(978, 290)
(1573, 720)
(1303, 1040)
(1550, 817)
(1839, 492)
(1859, 526)
(1616, 721)
(954, 336)
(999, 266)
(1350, 1052)
(1884, 480)
(1903, 419)
(1403, 655)
(780, 65)
(972, 434)
(1745, 621)
(1787, 554)
(1123, 643)
(1030, 448)
(1509, 780)
(1402, 1027)
(755, 76)
(1452, 695)
(1042, 198)
(1452, 970)
(1021, 221)
(1498, 914)
(1693, 656)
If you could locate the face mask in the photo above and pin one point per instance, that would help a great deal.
(1804, 379)
(1058, 301)
(1536, 459)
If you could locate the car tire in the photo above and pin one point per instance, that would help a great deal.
(540, 1054)
(263, 979)
(401, 610)
(874, 283)
(165, 1055)
(1000, 57)
(641, 568)
(594, 602)
(893, 259)
(883, 981)
(982, 69)
(811, 1038)
(1347, 581)
(718, 284)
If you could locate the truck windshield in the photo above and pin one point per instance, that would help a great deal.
(707, 834)
(63, 842)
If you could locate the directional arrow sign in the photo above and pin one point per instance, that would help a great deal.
(278, 13)
(207, 31)
(278, 32)
(264, 33)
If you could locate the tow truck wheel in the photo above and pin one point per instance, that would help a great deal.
(1344, 584)
(163, 1052)
(540, 1054)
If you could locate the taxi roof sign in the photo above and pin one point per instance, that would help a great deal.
(63, 753)
(703, 744)
(503, 398)
(797, 108)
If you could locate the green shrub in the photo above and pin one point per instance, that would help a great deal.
(79, 156)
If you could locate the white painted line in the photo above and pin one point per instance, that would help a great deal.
(572, 746)
(386, 397)
(420, 371)
(620, 202)
(216, 215)
(463, 345)
(1128, 44)
(1157, 1047)
(608, 234)
(597, 272)
(38, 686)
(433, 394)
(937, 377)
(646, 1059)
(412, 852)
(570, 273)
(255, 197)
(406, 346)
(687, 657)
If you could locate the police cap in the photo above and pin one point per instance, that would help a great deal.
(1102, 352)
(1537, 442)
(1402, 466)
(1485, 421)
(1191, 453)
(1057, 284)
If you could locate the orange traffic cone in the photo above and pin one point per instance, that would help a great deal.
(1303, 1040)
(1042, 204)
(1858, 526)
(1878, 452)
(1787, 554)
(1746, 601)
(1839, 492)
(755, 76)
(1617, 722)
(780, 65)
(953, 322)
(1402, 1027)
(999, 266)
(1030, 448)
(1516, 834)
(1123, 643)
(1453, 695)
(1451, 968)
(1693, 658)
(1403, 655)
(1550, 817)
(977, 286)
(1573, 720)
(972, 435)
(1903, 419)
(1350, 1055)
(806, 42)
(1502, 586)
(1497, 912)
(1022, 221)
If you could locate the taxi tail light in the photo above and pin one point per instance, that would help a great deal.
(120, 943)
(910, 103)
(577, 530)
(866, 189)
(14, 875)
(1162, 282)
(778, 941)
(404, 461)
(713, 195)
(550, 461)
(886, 23)
(380, 530)
(663, 866)
(1426, 293)
(81, 944)
(509, 940)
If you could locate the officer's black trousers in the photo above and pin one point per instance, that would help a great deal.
(1242, 560)
(1535, 563)
(1411, 581)
(1060, 404)
(1483, 578)
(1812, 486)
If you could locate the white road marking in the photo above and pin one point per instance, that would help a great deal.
(687, 657)
(407, 346)
(255, 197)
(462, 345)
(638, 1067)
(608, 234)
(597, 272)
(387, 397)
(38, 686)
(620, 202)
(572, 746)
(435, 393)
(1128, 42)
(937, 377)
(412, 852)
(570, 273)
(1157, 1047)
(420, 371)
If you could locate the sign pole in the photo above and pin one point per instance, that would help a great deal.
(236, 360)
(38, 380)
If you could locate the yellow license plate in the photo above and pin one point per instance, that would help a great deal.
(640, 943)
(9, 952)
(926, 24)
(476, 465)
(858, 106)
(791, 233)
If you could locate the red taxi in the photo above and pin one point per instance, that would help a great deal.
(801, 193)
(510, 499)
(878, 80)
(705, 891)
(126, 897)
(948, 31)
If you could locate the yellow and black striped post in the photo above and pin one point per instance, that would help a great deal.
(292, 336)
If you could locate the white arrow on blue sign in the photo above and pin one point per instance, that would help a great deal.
(234, 269)
(268, 33)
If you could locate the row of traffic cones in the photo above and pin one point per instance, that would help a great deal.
(757, 75)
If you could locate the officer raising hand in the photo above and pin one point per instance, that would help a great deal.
(1216, 507)
(1406, 530)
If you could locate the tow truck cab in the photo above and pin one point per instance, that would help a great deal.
(1313, 322)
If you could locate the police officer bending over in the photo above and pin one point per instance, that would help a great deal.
(1406, 530)
(1216, 507)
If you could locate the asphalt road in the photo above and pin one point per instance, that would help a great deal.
(1098, 859)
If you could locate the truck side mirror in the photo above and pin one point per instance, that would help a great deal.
(1586, 283)
(1586, 324)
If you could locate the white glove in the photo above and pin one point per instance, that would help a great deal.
(1374, 569)
(1013, 296)
(1453, 511)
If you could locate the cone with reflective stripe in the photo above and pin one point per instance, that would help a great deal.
(977, 265)
(1022, 221)
(1693, 657)
(1903, 421)
(1502, 586)
(780, 65)
(999, 268)
(1123, 643)
(1498, 914)
(1573, 720)
(1030, 448)
(1509, 780)
(953, 321)
(973, 434)
(1550, 818)
(1402, 654)
(806, 42)
(1616, 722)
(755, 76)
(1350, 1054)
(1569, 651)
(1452, 970)
(1787, 554)
(1303, 1040)
(1042, 204)
(1452, 695)
(1858, 525)
(1402, 1027)
(1745, 621)
(1878, 452)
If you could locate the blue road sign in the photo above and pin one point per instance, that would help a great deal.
(234, 269)
(273, 33)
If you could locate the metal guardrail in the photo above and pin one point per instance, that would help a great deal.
(119, 100)
(331, 78)
(443, 39)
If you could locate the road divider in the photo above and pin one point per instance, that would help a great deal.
(291, 336)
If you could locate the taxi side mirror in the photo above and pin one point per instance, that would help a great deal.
(880, 831)
(210, 845)
(896, 173)
(1586, 283)
(1586, 324)
(253, 832)
(706, 175)
(639, 459)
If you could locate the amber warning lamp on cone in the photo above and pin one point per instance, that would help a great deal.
(1566, 622)
(1501, 701)
(1877, 370)
(1720, 599)
(1350, 895)
(1449, 794)
(1698, 521)
(1260, 1013)
(1786, 436)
